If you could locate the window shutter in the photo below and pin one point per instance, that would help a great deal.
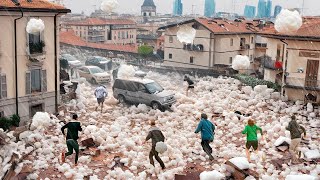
(3, 86)
(28, 82)
(44, 80)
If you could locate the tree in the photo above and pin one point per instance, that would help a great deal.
(145, 50)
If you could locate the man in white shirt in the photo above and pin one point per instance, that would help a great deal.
(100, 93)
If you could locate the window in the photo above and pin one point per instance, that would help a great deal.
(242, 42)
(3, 86)
(230, 60)
(35, 108)
(191, 59)
(35, 43)
(170, 56)
(36, 81)
(231, 42)
(170, 39)
(251, 40)
(251, 57)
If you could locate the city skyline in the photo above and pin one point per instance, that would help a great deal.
(209, 8)
(177, 8)
(166, 7)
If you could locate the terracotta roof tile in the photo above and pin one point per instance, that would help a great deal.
(70, 38)
(97, 21)
(35, 4)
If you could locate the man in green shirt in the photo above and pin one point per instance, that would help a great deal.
(252, 138)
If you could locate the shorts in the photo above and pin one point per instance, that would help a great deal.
(253, 144)
(100, 100)
(190, 86)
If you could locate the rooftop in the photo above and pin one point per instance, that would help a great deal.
(70, 38)
(148, 3)
(34, 5)
(98, 21)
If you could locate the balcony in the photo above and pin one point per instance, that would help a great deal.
(272, 64)
(193, 47)
(261, 45)
(298, 81)
(244, 46)
(36, 51)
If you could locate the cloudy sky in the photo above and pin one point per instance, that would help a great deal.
(165, 6)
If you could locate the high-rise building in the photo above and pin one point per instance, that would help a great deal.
(209, 8)
(277, 10)
(268, 8)
(177, 8)
(249, 11)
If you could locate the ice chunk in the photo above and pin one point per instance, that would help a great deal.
(240, 162)
(161, 147)
(312, 154)
(211, 175)
(300, 177)
(288, 21)
(35, 26)
(126, 71)
(241, 62)
(186, 34)
(281, 140)
(109, 6)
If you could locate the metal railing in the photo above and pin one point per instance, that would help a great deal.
(302, 82)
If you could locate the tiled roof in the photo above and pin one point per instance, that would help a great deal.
(70, 38)
(97, 21)
(309, 29)
(35, 5)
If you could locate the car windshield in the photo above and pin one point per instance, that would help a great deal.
(95, 70)
(101, 59)
(69, 57)
(154, 87)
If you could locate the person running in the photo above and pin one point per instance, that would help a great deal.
(295, 132)
(207, 134)
(72, 137)
(190, 84)
(100, 93)
(252, 138)
(156, 136)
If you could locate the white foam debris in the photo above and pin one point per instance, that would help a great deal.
(84, 159)
(240, 162)
(300, 177)
(312, 154)
(186, 34)
(126, 71)
(241, 62)
(40, 120)
(211, 175)
(109, 6)
(161, 147)
(288, 21)
(35, 26)
(281, 140)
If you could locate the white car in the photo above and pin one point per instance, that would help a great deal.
(94, 74)
(72, 61)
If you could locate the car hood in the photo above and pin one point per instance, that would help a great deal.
(104, 74)
(165, 93)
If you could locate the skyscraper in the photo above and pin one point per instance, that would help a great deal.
(264, 8)
(177, 8)
(277, 10)
(249, 11)
(209, 8)
(268, 9)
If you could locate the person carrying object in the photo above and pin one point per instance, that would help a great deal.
(72, 137)
(156, 136)
(207, 134)
(101, 93)
(295, 132)
(252, 138)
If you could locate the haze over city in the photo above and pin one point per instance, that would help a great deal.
(165, 6)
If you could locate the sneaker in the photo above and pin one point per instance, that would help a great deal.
(63, 157)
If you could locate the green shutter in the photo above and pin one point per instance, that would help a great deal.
(3, 86)
(44, 80)
(28, 82)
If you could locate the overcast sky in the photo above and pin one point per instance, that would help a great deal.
(312, 7)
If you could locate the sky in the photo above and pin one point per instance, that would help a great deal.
(165, 6)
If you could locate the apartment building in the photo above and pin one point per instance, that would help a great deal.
(105, 31)
(29, 62)
(217, 41)
(298, 56)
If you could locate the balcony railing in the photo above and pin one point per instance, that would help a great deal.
(245, 46)
(193, 47)
(299, 82)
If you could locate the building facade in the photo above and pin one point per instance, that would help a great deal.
(249, 11)
(105, 31)
(277, 10)
(209, 8)
(177, 8)
(148, 8)
(29, 63)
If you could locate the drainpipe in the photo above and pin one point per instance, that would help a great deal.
(210, 43)
(16, 60)
(55, 64)
(284, 60)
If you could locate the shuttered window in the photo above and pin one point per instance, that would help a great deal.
(28, 83)
(44, 80)
(3, 86)
(36, 81)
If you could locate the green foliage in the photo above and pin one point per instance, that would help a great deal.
(251, 81)
(64, 64)
(15, 120)
(145, 50)
(36, 47)
(6, 123)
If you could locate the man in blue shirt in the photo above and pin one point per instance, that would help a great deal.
(207, 131)
(100, 93)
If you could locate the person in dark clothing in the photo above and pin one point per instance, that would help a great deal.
(72, 136)
(115, 73)
(190, 84)
(207, 134)
(156, 136)
(295, 132)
